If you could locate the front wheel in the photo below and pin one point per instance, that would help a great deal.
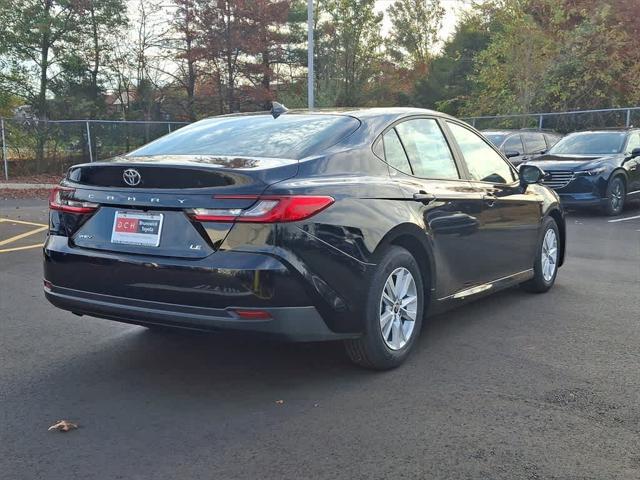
(616, 192)
(545, 266)
(393, 312)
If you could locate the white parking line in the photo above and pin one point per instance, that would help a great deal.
(624, 219)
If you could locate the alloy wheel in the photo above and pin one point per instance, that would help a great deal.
(398, 307)
(616, 196)
(549, 254)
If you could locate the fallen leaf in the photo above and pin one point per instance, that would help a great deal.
(63, 426)
(279, 402)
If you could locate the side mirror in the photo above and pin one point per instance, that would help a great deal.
(635, 153)
(530, 174)
(511, 154)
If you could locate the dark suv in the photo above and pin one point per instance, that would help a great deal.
(522, 145)
(595, 168)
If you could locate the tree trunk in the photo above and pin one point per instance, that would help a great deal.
(44, 82)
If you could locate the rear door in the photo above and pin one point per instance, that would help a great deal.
(445, 205)
(509, 216)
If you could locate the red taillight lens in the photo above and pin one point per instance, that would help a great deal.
(266, 209)
(60, 199)
(252, 314)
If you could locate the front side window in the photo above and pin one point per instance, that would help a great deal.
(513, 144)
(483, 162)
(394, 152)
(634, 142)
(427, 149)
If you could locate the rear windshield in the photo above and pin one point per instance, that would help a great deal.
(591, 143)
(291, 136)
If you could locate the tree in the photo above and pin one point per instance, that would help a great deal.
(414, 34)
(32, 32)
(356, 42)
(447, 86)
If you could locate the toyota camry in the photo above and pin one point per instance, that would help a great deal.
(308, 226)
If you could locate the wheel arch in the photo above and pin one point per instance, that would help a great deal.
(412, 238)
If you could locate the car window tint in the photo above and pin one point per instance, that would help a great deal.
(483, 162)
(427, 149)
(394, 153)
(634, 142)
(288, 136)
(534, 142)
(513, 144)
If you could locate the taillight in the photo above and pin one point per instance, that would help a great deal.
(60, 199)
(267, 209)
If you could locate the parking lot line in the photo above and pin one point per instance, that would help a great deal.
(624, 219)
(22, 222)
(23, 235)
(26, 247)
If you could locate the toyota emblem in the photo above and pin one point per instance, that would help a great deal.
(131, 177)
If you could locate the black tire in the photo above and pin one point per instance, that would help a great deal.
(371, 350)
(539, 283)
(616, 192)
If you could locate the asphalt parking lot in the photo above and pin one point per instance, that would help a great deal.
(515, 386)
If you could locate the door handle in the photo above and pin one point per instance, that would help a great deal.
(424, 197)
(489, 200)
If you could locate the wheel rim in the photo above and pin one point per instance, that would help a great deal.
(616, 195)
(398, 308)
(549, 254)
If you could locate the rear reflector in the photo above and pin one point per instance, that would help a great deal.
(60, 199)
(252, 314)
(267, 209)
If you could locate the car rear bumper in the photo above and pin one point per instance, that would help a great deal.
(290, 323)
(201, 294)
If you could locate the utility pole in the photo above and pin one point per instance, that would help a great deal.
(310, 75)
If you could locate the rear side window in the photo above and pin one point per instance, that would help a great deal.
(427, 149)
(513, 144)
(290, 136)
(534, 142)
(394, 152)
(483, 162)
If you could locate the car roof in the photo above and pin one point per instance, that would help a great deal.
(388, 113)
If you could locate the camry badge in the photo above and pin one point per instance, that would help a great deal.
(131, 177)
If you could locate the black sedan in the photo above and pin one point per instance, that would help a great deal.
(310, 226)
(598, 168)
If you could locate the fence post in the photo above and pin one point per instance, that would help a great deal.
(89, 141)
(473, 122)
(4, 151)
(540, 122)
(628, 117)
(169, 125)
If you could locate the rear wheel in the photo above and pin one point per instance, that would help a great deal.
(616, 192)
(393, 313)
(545, 267)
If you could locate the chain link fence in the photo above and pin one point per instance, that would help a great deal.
(562, 122)
(38, 147)
(32, 147)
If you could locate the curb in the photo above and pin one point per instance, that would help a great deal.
(26, 186)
